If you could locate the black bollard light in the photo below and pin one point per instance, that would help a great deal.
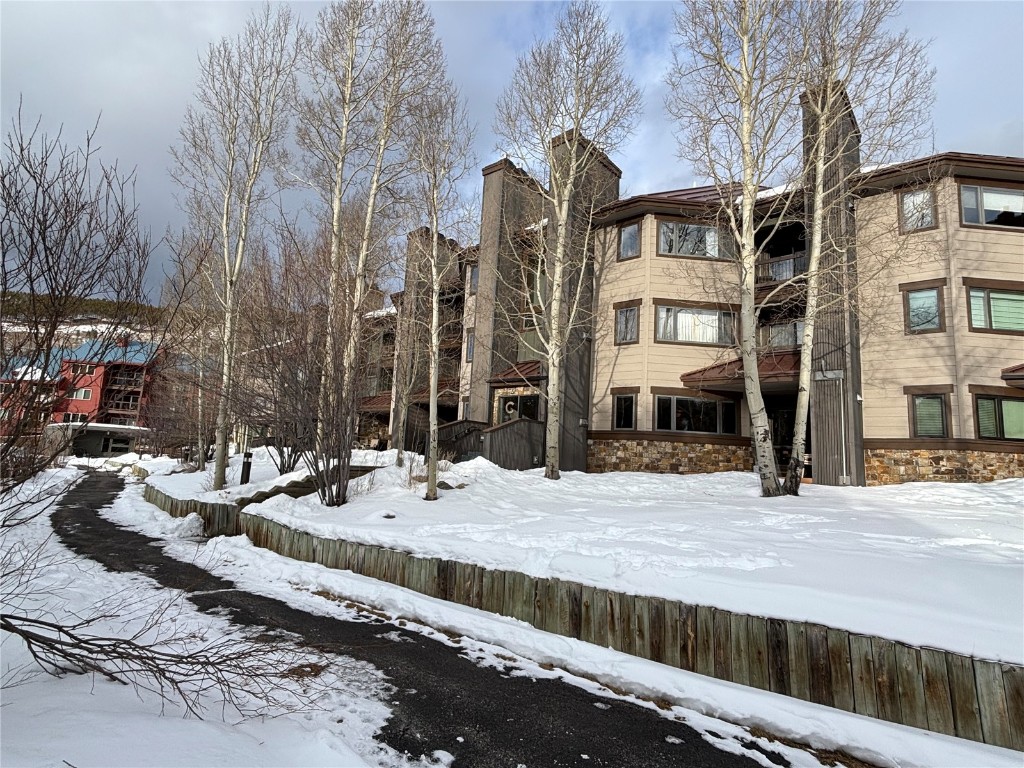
(246, 467)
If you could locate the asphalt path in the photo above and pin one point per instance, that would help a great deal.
(442, 700)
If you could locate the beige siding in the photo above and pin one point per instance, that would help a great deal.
(892, 358)
(647, 364)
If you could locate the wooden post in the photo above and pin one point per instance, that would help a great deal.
(995, 720)
(911, 682)
(841, 669)
(937, 698)
(966, 714)
(887, 694)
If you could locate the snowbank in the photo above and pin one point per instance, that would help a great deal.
(927, 564)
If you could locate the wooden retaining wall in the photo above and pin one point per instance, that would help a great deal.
(923, 687)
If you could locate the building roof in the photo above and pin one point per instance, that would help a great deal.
(944, 164)
(872, 178)
(380, 403)
(520, 373)
(707, 197)
(778, 370)
(1014, 375)
(102, 351)
(447, 394)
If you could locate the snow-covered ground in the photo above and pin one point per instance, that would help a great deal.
(699, 701)
(262, 476)
(930, 564)
(84, 721)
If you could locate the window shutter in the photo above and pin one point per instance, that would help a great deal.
(929, 415)
(987, 426)
(1007, 310)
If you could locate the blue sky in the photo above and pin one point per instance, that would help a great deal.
(135, 62)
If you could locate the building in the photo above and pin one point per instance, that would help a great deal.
(91, 397)
(918, 358)
(927, 385)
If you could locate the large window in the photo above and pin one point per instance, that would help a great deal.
(627, 325)
(81, 394)
(470, 343)
(629, 241)
(687, 414)
(697, 326)
(917, 210)
(999, 418)
(83, 369)
(991, 206)
(474, 278)
(676, 238)
(75, 418)
(996, 309)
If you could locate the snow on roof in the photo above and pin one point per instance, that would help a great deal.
(386, 312)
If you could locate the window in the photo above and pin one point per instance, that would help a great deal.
(625, 412)
(991, 206)
(470, 342)
(676, 238)
(626, 325)
(698, 326)
(687, 414)
(930, 414)
(629, 241)
(75, 418)
(81, 394)
(116, 445)
(783, 335)
(999, 418)
(917, 210)
(474, 278)
(995, 309)
(518, 407)
(385, 379)
(80, 369)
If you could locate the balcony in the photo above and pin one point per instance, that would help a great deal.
(778, 269)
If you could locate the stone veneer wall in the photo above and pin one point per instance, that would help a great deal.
(885, 466)
(647, 455)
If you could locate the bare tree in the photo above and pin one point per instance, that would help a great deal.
(282, 323)
(733, 91)
(866, 99)
(229, 141)
(441, 155)
(568, 105)
(70, 234)
(366, 66)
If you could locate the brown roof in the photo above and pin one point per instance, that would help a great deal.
(380, 403)
(779, 368)
(708, 197)
(530, 370)
(447, 393)
(1014, 375)
(945, 163)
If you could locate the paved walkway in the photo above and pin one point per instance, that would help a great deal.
(441, 696)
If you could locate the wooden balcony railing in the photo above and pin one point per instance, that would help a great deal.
(781, 268)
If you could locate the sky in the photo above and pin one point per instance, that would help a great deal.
(133, 65)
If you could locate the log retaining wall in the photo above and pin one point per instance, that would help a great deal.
(926, 688)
